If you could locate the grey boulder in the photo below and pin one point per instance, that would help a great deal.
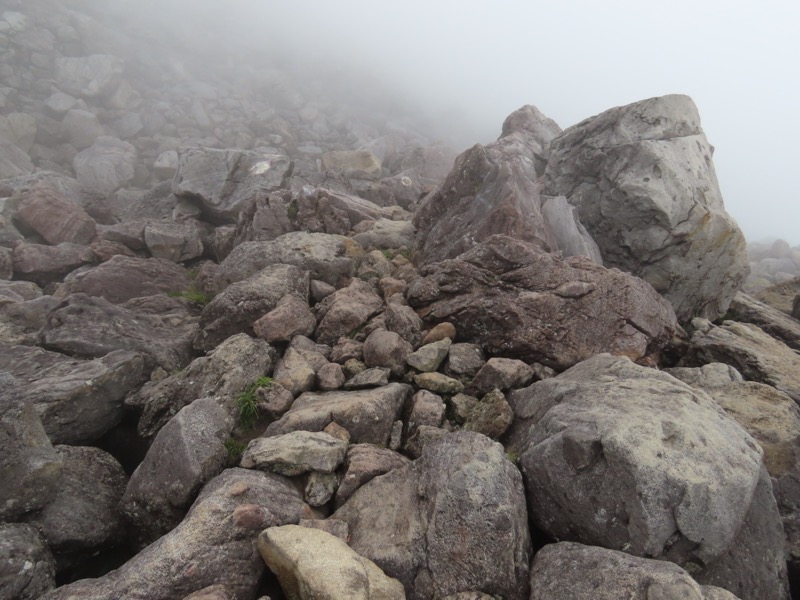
(27, 569)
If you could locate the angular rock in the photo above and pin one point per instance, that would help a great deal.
(294, 373)
(345, 311)
(29, 465)
(402, 319)
(368, 378)
(439, 383)
(326, 211)
(20, 321)
(295, 453)
(14, 162)
(83, 518)
(746, 309)
(632, 459)
(46, 264)
(430, 356)
(177, 242)
(386, 233)
(364, 463)
(56, 218)
(320, 487)
(643, 181)
(107, 165)
(77, 401)
(503, 374)
(89, 76)
(518, 302)
(387, 349)
(756, 355)
(81, 128)
(351, 160)
(241, 304)
(330, 377)
(290, 317)
(427, 409)
(313, 564)
(367, 414)
(122, 278)
(186, 453)
(464, 360)
(491, 415)
(223, 374)
(27, 569)
(452, 521)
(570, 571)
(90, 327)
(329, 258)
(223, 182)
(219, 533)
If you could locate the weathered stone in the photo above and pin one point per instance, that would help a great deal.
(352, 160)
(46, 264)
(107, 165)
(14, 161)
(326, 211)
(212, 592)
(204, 176)
(427, 409)
(491, 415)
(56, 218)
(20, 321)
(345, 311)
(518, 302)
(223, 374)
(295, 453)
(236, 308)
(89, 76)
(430, 356)
(368, 378)
(402, 319)
(439, 383)
(81, 128)
(290, 317)
(320, 488)
(364, 462)
(19, 129)
(387, 349)
(464, 360)
(78, 401)
(177, 242)
(332, 526)
(642, 179)
(346, 349)
(91, 327)
(122, 278)
(439, 332)
(745, 309)
(503, 374)
(330, 377)
(294, 373)
(218, 533)
(386, 233)
(27, 569)
(454, 520)
(367, 414)
(313, 564)
(186, 453)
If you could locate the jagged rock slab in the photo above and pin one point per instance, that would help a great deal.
(56, 218)
(368, 415)
(746, 309)
(363, 463)
(643, 181)
(214, 544)
(452, 521)
(518, 302)
(346, 311)
(224, 373)
(326, 211)
(77, 400)
(223, 182)
(241, 304)
(91, 327)
(313, 564)
(295, 453)
(46, 264)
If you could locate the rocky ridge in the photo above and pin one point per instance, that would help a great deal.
(241, 308)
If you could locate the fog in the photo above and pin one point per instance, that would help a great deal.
(465, 65)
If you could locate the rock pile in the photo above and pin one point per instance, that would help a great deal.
(252, 347)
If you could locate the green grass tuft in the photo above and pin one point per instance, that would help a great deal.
(246, 402)
(235, 449)
(192, 295)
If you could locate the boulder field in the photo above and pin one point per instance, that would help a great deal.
(256, 345)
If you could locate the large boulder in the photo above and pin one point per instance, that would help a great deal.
(107, 165)
(27, 569)
(91, 327)
(629, 458)
(452, 521)
(46, 264)
(747, 309)
(519, 302)
(346, 311)
(327, 211)
(643, 181)
(214, 544)
(14, 161)
(56, 218)
(77, 400)
(493, 190)
(223, 182)
(89, 76)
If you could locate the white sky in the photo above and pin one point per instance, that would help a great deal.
(739, 61)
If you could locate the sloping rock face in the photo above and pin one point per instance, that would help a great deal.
(642, 179)
(519, 302)
(492, 190)
(746, 309)
(632, 459)
(450, 522)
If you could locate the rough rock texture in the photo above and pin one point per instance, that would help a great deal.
(314, 565)
(345, 311)
(46, 264)
(29, 465)
(364, 462)
(632, 459)
(570, 571)
(177, 242)
(125, 277)
(224, 373)
(241, 304)
(642, 179)
(452, 521)
(56, 218)
(77, 400)
(756, 355)
(290, 317)
(27, 569)
(187, 452)
(295, 453)
(746, 309)
(222, 182)
(107, 165)
(387, 349)
(368, 415)
(492, 190)
(326, 211)
(518, 302)
(214, 544)
(91, 327)
(83, 518)
(328, 258)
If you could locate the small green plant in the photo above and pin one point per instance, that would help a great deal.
(387, 254)
(193, 295)
(246, 402)
(235, 449)
(512, 456)
(292, 209)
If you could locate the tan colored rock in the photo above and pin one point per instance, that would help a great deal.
(352, 160)
(314, 565)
